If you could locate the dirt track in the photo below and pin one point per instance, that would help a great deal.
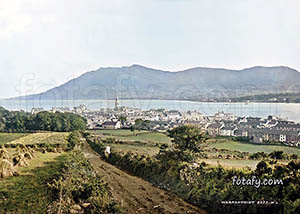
(135, 194)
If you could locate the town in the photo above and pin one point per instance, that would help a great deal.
(272, 129)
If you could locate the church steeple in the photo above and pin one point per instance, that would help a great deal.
(116, 103)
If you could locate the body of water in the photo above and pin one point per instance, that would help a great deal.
(290, 111)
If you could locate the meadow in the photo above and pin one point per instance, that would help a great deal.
(127, 135)
(8, 137)
(44, 137)
(252, 148)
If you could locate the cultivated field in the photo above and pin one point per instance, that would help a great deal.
(127, 135)
(38, 138)
(28, 192)
(25, 171)
(252, 148)
(147, 143)
(8, 137)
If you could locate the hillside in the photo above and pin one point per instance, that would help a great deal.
(139, 82)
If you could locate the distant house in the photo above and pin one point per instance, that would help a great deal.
(214, 129)
(111, 125)
(227, 131)
(36, 110)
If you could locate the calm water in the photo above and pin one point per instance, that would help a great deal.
(290, 111)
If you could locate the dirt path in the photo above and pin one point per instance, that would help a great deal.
(135, 194)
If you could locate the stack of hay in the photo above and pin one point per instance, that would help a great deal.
(6, 167)
(28, 153)
(3, 153)
(19, 159)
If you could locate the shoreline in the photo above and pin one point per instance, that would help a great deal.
(150, 99)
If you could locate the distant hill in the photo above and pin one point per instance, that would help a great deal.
(139, 82)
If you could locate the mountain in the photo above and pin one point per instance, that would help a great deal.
(139, 82)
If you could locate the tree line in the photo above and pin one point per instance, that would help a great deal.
(21, 121)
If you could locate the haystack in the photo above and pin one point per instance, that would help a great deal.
(6, 168)
(31, 151)
(20, 160)
(4, 154)
(28, 155)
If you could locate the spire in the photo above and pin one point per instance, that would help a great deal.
(116, 103)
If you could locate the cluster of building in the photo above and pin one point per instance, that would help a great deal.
(259, 130)
(271, 129)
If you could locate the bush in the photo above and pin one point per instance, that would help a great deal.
(79, 184)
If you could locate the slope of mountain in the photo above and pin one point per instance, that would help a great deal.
(139, 82)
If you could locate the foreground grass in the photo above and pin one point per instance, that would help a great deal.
(8, 137)
(29, 192)
(252, 148)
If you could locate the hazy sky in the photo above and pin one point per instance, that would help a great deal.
(44, 43)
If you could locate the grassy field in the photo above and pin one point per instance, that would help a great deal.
(127, 135)
(8, 137)
(118, 132)
(252, 148)
(29, 193)
(235, 163)
(231, 163)
(147, 150)
(48, 137)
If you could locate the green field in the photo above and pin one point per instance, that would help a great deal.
(147, 150)
(252, 148)
(118, 132)
(127, 135)
(8, 137)
(29, 193)
(231, 163)
(47, 137)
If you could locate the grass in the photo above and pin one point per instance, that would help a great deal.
(8, 137)
(229, 164)
(46, 137)
(29, 193)
(127, 135)
(118, 132)
(147, 150)
(252, 148)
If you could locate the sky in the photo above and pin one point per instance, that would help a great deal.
(44, 43)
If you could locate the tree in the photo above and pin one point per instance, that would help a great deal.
(123, 120)
(187, 138)
(263, 168)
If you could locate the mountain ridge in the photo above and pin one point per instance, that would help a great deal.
(137, 81)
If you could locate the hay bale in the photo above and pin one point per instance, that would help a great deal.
(6, 169)
(20, 160)
(4, 154)
(59, 150)
(28, 155)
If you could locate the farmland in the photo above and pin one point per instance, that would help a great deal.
(252, 148)
(202, 172)
(147, 143)
(127, 135)
(38, 138)
(8, 137)
(28, 192)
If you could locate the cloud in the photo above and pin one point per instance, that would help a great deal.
(55, 41)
